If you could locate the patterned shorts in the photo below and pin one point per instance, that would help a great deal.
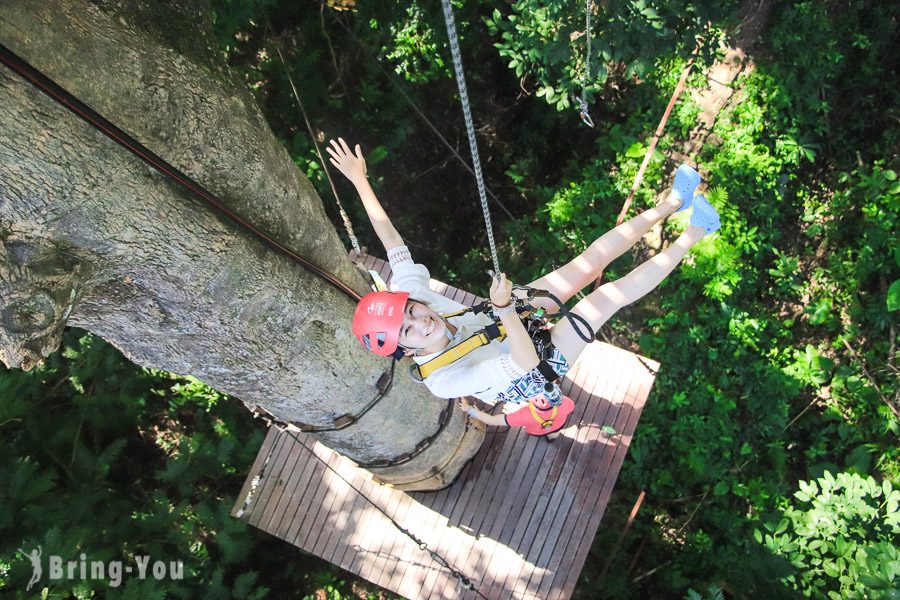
(532, 383)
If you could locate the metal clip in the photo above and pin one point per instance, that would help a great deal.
(585, 117)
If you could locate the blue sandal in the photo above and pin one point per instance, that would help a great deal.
(686, 181)
(705, 215)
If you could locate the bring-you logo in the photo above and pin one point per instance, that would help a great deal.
(111, 571)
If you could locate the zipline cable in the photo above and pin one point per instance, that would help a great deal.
(92, 117)
(470, 129)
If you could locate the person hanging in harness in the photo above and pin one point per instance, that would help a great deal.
(408, 321)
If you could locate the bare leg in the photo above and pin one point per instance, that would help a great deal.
(575, 275)
(604, 302)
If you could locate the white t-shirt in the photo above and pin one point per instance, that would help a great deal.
(485, 372)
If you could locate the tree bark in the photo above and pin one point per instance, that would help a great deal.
(91, 236)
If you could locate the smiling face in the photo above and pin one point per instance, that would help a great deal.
(422, 328)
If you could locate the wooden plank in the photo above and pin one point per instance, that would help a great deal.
(463, 490)
(413, 519)
(439, 287)
(471, 510)
(582, 500)
(581, 397)
(461, 493)
(345, 489)
(517, 497)
(532, 516)
(531, 452)
(575, 470)
(270, 482)
(366, 496)
(397, 509)
(310, 506)
(307, 525)
(261, 457)
(405, 555)
(354, 497)
(280, 496)
(580, 545)
(371, 529)
(581, 540)
(297, 507)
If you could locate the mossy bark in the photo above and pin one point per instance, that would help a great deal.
(91, 236)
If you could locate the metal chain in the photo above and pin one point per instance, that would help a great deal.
(582, 101)
(463, 581)
(470, 129)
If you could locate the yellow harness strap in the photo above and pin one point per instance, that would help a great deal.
(544, 423)
(455, 353)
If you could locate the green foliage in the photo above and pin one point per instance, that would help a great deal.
(107, 459)
(544, 40)
(713, 593)
(841, 536)
(758, 385)
(418, 48)
(776, 337)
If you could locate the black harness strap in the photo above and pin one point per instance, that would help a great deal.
(547, 371)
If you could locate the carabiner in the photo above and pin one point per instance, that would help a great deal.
(585, 117)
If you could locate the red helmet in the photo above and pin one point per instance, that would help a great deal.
(377, 319)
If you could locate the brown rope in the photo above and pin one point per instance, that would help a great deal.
(659, 131)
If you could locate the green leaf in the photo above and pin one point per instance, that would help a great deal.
(608, 430)
(243, 584)
(376, 155)
(636, 150)
(893, 297)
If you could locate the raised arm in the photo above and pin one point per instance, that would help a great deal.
(353, 166)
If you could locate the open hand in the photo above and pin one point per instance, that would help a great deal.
(351, 164)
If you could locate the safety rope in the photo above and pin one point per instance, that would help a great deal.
(92, 117)
(464, 581)
(470, 129)
(582, 101)
(348, 226)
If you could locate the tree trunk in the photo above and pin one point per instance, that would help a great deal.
(91, 236)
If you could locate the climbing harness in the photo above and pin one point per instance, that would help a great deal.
(470, 129)
(536, 325)
(582, 100)
(92, 117)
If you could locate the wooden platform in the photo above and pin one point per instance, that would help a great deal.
(518, 522)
